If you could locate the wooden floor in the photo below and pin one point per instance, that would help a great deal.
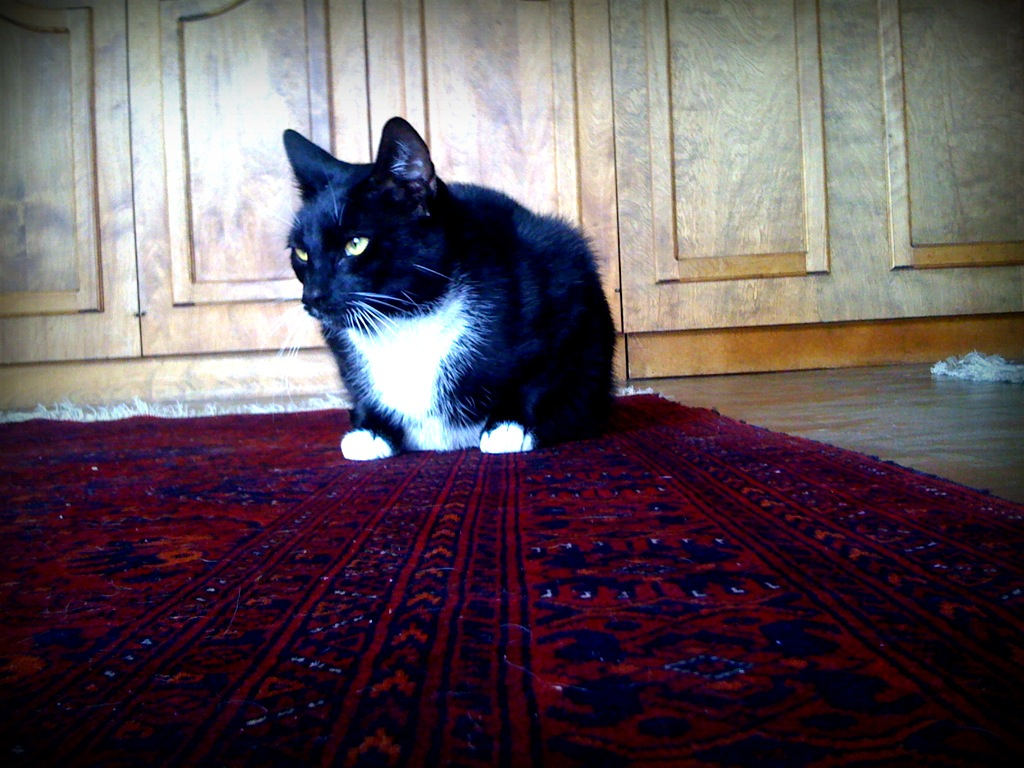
(965, 431)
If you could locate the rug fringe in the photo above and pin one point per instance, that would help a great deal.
(976, 366)
(68, 411)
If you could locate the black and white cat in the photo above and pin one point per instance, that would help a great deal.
(458, 318)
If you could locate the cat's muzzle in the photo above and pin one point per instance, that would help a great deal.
(315, 309)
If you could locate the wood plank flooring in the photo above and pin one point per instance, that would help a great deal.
(969, 432)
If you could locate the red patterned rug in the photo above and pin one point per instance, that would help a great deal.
(687, 590)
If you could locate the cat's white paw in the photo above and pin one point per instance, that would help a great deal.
(364, 445)
(506, 437)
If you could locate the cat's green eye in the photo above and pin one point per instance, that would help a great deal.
(356, 246)
(301, 255)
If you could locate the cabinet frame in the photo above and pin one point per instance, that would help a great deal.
(98, 317)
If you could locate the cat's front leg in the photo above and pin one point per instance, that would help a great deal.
(371, 437)
(507, 437)
(365, 445)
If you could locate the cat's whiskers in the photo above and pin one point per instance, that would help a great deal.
(290, 347)
(398, 304)
(381, 320)
(431, 271)
(370, 320)
(384, 298)
(280, 321)
(366, 321)
(334, 198)
(291, 320)
(358, 318)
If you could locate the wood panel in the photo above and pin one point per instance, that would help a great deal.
(67, 269)
(953, 76)
(231, 71)
(595, 132)
(860, 283)
(510, 94)
(721, 108)
(48, 210)
(215, 84)
(280, 377)
(720, 148)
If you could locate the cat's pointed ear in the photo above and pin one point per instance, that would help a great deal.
(404, 166)
(314, 168)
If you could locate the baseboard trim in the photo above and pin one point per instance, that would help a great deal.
(248, 376)
(827, 345)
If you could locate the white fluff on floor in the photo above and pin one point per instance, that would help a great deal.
(978, 367)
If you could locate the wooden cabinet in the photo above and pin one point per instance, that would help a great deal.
(720, 148)
(67, 259)
(493, 87)
(513, 94)
(953, 84)
(775, 169)
(214, 85)
(159, 233)
(751, 173)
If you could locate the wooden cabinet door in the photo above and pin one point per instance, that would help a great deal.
(67, 261)
(214, 85)
(509, 94)
(719, 137)
(953, 79)
(727, 116)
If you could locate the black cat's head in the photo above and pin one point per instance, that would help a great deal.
(367, 244)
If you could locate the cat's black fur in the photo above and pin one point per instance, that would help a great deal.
(525, 331)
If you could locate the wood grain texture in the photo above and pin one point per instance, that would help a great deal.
(236, 376)
(595, 131)
(508, 94)
(832, 345)
(860, 283)
(248, 376)
(722, 112)
(214, 86)
(395, 63)
(735, 114)
(38, 242)
(68, 288)
(50, 211)
(953, 81)
(964, 86)
(241, 72)
(347, 72)
(232, 73)
(491, 97)
(511, 121)
(519, 95)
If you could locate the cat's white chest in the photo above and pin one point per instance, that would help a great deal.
(408, 363)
